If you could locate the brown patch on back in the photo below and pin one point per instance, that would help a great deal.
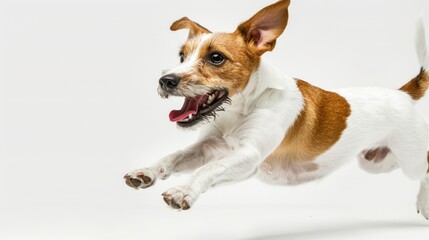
(318, 127)
(417, 87)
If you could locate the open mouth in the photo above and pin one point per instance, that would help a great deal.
(199, 108)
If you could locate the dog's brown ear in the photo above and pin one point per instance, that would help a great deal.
(262, 30)
(194, 28)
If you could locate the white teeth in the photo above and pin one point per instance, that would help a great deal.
(211, 98)
(204, 105)
(190, 117)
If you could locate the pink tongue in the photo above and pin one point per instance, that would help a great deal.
(190, 106)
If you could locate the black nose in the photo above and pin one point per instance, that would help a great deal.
(169, 81)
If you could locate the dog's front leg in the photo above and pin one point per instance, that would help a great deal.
(254, 141)
(238, 166)
(205, 150)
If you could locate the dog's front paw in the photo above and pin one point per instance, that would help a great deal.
(141, 178)
(180, 198)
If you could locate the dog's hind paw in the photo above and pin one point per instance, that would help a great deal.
(141, 178)
(423, 202)
(423, 210)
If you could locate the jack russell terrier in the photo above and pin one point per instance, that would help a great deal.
(259, 122)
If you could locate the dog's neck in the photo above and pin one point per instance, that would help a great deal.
(265, 78)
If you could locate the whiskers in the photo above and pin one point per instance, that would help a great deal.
(215, 112)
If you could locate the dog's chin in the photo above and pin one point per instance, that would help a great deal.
(194, 127)
(199, 109)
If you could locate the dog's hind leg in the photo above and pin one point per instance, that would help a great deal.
(409, 146)
(378, 160)
(423, 196)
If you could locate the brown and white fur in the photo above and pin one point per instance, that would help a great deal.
(281, 129)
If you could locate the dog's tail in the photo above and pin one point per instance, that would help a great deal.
(417, 87)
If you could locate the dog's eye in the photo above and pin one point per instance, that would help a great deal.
(216, 59)
(182, 57)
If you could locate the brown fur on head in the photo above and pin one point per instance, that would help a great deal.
(232, 74)
(224, 61)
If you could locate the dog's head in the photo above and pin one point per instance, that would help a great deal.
(216, 66)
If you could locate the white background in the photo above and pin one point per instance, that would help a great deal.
(79, 109)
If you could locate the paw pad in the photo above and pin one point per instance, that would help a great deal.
(177, 199)
(139, 179)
